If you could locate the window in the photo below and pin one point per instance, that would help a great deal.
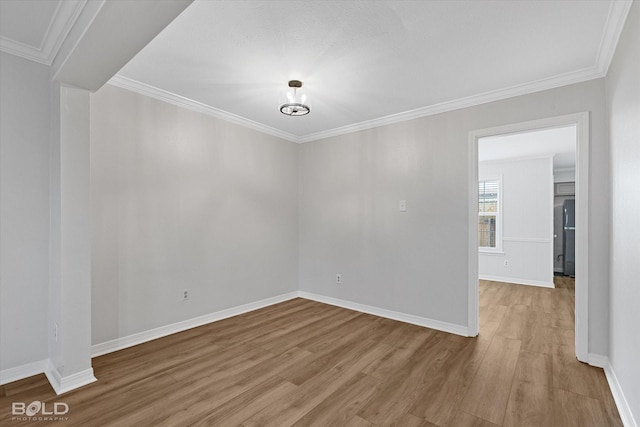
(489, 215)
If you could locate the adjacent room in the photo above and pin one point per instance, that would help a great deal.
(332, 213)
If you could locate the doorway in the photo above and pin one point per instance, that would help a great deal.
(581, 123)
(517, 175)
(564, 227)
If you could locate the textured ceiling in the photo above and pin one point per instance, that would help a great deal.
(364, 63)
(364, 60)
(557, 142)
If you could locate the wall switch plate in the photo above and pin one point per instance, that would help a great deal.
(402, 205)
(338, 279)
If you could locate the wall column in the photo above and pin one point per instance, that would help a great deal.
(70, 240)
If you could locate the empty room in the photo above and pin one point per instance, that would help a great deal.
(328, 213)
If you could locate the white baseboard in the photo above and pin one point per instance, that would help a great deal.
(23, 371)
(142, 337)
(597, 360)
(618, 395)
(389, 314)
(62, 384)
(518, 281)
(163, 331)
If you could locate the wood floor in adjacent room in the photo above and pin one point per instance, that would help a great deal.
(305, 363)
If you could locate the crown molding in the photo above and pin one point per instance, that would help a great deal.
(471, 101)
(181, 101)
(524, 89)
(22, 50)
(61, 23)
(618, 11)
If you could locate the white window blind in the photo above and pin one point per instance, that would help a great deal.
(489, 214)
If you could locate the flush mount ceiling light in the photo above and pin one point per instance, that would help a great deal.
(295, 107)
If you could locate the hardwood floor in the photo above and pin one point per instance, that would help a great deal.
(304, 363)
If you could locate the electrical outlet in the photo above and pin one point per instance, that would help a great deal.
(55, 331)
(185, 295)
(338, 279)
(506, 263)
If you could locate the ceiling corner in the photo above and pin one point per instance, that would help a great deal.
(99, 52)
(180, 101)
(618, 12)
(22, 50)
(62, 21)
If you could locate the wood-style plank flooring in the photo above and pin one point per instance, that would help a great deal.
(302, 363)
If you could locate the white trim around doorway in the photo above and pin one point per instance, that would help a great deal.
(581, 121)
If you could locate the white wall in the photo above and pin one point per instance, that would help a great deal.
(564, 175)
(527, 222)
(24, 210)
(181, 200)
(349, 223)
(415, 261)
(69, 310)
(623, 101)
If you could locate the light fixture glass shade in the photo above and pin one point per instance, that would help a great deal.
(296, 105)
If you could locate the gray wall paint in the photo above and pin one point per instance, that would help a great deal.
(181, 200)
(623, 100)
(348, 218)
(24, 210)
(415, 261)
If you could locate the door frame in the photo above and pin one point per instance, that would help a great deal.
(581, 121)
